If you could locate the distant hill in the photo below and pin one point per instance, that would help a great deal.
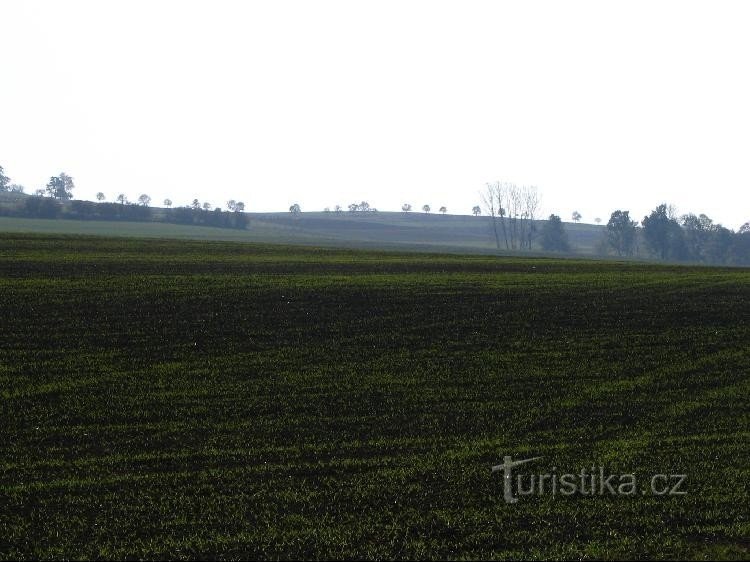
(395, 230)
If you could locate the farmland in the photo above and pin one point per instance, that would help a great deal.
(412, 231)
(208, 399)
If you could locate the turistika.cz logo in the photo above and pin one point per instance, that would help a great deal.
(589, 482)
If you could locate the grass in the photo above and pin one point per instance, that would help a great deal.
(197, 399)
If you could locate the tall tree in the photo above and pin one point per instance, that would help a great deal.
(122, 199)
(4, 180)
(60, 187)
(621, 233)
(663, 234)
(554, 237)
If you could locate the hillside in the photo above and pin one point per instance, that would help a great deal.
(372, 230)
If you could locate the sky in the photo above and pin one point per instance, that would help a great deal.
(601, 105)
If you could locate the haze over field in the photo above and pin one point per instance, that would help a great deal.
(623, 105)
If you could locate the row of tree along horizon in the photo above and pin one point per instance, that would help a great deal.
(511, 210)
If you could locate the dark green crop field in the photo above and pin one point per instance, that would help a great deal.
(223, 400)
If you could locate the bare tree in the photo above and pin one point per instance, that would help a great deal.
(443, 210)
(426, 208)
(516, 209)
(100, 196)
(231, 204)
(530, 196)
(491, 198)
(167, 202)
(406, 208)
(144, 200)
(576, 216)
(122, 199)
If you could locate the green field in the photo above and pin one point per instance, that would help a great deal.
(196, 399)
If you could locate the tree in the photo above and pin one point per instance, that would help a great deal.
(337, 209)
(740, 250)
(327, 210)
(621, 233)
(196, 204)
(554, 238)
(40, 193)
(167, 202)
(5, 184)
(239, 207)
(663, 234)
(122, 198)
(576, 216)
(353, 207)
(406, 208)
(477, 210)
(231, 204)
(144, 200)
(295, 209)
(516, 208)
(206, 206)
(696, 231)
(443, 210)
(492, 199)
(719, 244)
(100, 196)
(4, 180)
(426, 208)
(60, 187)
(597, 220)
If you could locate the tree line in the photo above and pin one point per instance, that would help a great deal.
(55, 200)
(666, 236)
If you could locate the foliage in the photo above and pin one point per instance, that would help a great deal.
(553, 236)
(621, 233)
(664, 235)
(60, 187)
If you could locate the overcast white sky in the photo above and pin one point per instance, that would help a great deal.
(602, 105)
